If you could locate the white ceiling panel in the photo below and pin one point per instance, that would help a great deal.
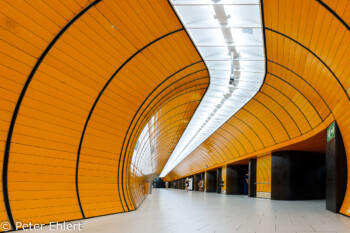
(228, 35)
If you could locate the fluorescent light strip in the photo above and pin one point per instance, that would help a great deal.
(217, 28)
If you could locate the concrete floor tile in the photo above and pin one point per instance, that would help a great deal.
(177, 211)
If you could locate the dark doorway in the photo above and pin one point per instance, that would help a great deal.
(196, 179)
(158, 183)
(182, 183)
(235, 179)
(252, 178)
(211, 181)
(298, 175)
(218, 180)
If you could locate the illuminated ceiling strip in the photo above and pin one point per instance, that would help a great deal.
(228, 34)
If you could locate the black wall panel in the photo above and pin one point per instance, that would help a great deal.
(336, 178)
(298, 175)
(211, 181)
(252, 178)
(235, 178)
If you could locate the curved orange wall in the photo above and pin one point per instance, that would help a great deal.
(79, 80)
(263, 174)
(307, 87)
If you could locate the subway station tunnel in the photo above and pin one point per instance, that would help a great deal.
(100, 97)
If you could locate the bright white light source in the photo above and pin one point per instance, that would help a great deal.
(228, 35)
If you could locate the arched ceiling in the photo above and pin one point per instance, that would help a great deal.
(85, 84)
(228, 35)
(307, 86)
(79, 80)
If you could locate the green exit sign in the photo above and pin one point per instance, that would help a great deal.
(331, 132)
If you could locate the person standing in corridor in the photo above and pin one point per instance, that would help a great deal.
(201, 184)
(246, 182)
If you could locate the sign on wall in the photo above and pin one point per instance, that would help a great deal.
(331, 131)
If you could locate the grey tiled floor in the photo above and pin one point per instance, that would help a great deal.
(169, 210)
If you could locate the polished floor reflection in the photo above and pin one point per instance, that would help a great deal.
(169, 210)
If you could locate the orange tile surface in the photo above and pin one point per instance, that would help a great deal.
(306, 88)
